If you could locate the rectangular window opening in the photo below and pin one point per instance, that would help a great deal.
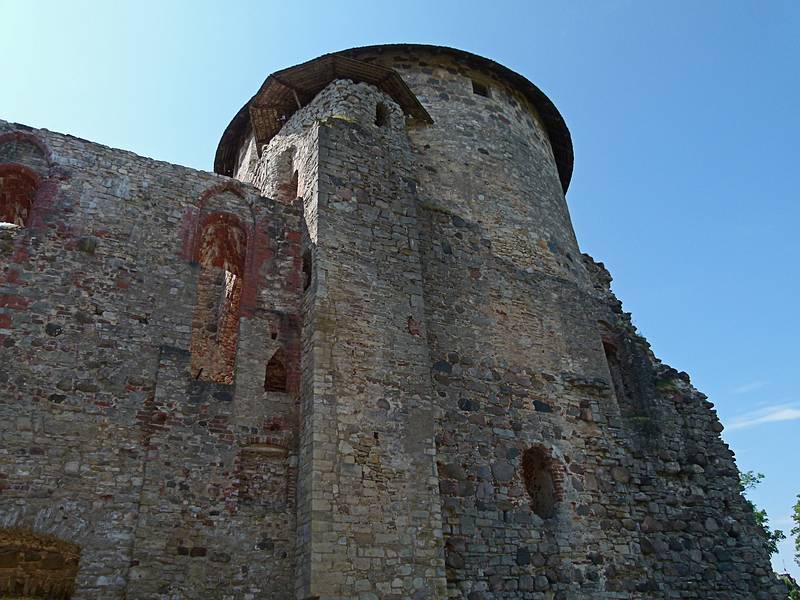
(275, 377)
(480, 89)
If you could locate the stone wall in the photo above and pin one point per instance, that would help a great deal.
(168, 481)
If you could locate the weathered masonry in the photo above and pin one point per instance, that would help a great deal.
(365, 359)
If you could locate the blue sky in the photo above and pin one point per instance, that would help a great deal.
(684, 117)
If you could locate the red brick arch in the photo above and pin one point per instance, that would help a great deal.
(220, 248)
(226, 186)
(221, 241)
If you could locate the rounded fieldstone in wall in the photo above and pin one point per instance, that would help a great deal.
(503, 472)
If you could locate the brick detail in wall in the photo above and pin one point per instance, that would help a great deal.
(221, 252)
(215, 327)
(18, 187)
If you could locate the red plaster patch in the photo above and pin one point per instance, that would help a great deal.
(12, 276)
(13, 301)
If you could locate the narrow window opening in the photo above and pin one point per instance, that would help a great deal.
(615, 370)
(286, 176)
(381, 114)
(292, 189)
(537, 475)
(275, 376)
(17, 192)
(480, 89)
(307, 266)
(215, 328)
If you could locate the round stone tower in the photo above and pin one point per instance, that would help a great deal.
(493, 148)
(498, 152)
(478, 417)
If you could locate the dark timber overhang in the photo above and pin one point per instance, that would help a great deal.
(286, 91)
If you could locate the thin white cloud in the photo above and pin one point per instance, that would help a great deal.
(769, 414)
(750, 387)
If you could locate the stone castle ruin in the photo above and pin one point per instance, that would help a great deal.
(364, 359)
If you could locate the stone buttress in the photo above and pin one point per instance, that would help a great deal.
(369, 524)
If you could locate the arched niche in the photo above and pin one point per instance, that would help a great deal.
(221, 253)
(35, 565)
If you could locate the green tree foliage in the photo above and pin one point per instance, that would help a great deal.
(796, 533)
(791, 586)
(750, 480)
